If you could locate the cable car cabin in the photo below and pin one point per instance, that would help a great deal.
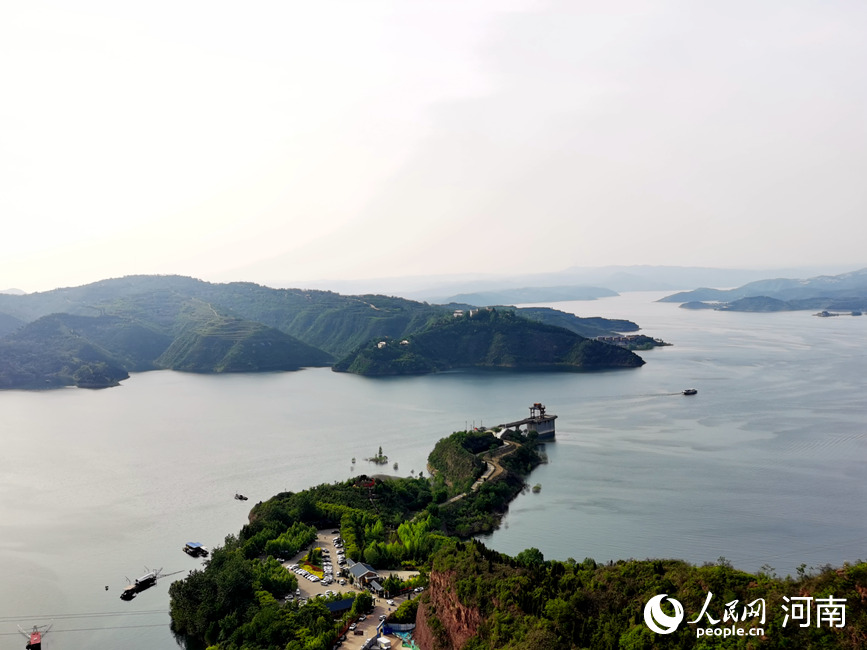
(35, 642)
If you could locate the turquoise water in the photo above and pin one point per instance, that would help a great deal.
(762, 466)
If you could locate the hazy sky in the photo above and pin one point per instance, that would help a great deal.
(285, 141)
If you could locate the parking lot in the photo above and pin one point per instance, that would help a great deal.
(310, 589)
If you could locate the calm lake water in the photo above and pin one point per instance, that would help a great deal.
(763, 466)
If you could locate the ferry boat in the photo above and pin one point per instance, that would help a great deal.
(129, 592)
(195, 549)
(146, 581)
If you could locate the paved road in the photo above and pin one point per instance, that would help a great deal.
(312, 589)
(494, 469)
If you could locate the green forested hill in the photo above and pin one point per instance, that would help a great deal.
(486, 339)
(154, 331)
(588, 327)
(66, 350)
(222, 344)
(527, 602)
(332, 322)
(9, 324)
(146, 322)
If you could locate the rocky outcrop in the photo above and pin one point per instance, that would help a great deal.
(443, 623)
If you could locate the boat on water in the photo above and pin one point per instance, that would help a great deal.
(34, 636)
(690, 391)
(129, 592)
(195, 549)
(146, 581)
(240, 497)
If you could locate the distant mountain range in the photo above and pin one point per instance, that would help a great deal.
(845, 292)
(94, 335)
(440, 289)
(531, 294)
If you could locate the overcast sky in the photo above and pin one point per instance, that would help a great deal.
(286, 141)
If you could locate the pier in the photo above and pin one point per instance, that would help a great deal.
(539, 421)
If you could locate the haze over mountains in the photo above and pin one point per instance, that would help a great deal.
(511, 276)
(846, 291)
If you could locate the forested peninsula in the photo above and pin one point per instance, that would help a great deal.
(95, 335)
(475, 598)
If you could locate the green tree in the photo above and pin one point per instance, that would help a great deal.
(530, 557)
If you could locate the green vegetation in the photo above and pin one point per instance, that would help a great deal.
(587, 327)
(518, 602)
(480, 512)
(234, 602)
(379, 459)
(405, 613)
(634, 342)
(486, 338)
(140, 323)
(221, 344)
(526, 601)
(454, 460)
(65, 350)
(9, 324)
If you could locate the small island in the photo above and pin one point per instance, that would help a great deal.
(379, 459)
(486, 338)
(633, 341)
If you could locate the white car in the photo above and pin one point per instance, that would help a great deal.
(390, 602)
